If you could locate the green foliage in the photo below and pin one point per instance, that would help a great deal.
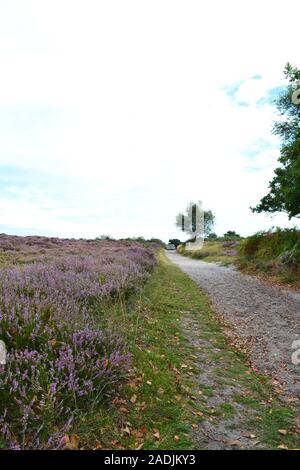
(175, 242)
(284, 194)
(209, 222)
(231, 235)
(276, 252)
(270, 244)
(212, 236)
(146, 241)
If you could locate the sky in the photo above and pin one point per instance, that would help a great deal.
(114, 115)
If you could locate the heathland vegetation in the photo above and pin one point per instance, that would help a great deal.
(64, 356)
(95, 331)
(274, 254)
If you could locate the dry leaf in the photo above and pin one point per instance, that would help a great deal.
(98, 446)
(234, 443)
(132, 385)
(123, 409)
(139, 446)
(283, 432)
(133, 399)
(72, 442)
(249, 435)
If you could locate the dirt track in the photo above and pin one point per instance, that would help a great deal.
(266, 317)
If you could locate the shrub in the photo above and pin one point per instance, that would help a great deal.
(58, 360)
(270, 244)
(276, 251)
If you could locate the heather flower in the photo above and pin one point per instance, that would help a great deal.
(58, 360)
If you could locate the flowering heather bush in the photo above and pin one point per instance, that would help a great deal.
(58, 361)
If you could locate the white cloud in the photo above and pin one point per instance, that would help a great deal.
(126, 103)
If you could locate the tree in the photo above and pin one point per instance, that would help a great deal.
(103, 237)
(212, 236)
(175, 242)
(209, 222)
(284, 194)
(191, 221)
(231, 234)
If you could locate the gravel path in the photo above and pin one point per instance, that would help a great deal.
(266, 317)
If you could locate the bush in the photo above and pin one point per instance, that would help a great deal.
(212, 236)
(231, 235)
(270, 244)
(276, 251)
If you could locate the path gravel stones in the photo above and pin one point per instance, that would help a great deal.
(266, 317)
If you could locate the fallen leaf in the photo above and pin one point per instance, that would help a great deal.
(72, 442)
(123, 409)
(98, 446)
(282, 446)
(139, 446)
(133, 399)
(132, 385)
(283, 432)
(234, 443)
(249, 435)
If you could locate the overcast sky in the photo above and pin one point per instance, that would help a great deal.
(115, 114)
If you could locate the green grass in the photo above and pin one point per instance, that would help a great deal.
(164, 397)
(211, 252)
